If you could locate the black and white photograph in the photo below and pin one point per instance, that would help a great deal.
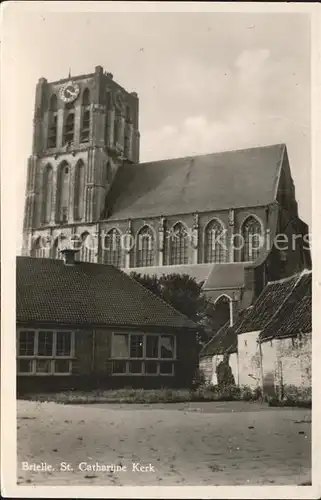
(157, 202)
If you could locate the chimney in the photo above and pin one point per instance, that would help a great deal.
(233, 309)
(69, 256)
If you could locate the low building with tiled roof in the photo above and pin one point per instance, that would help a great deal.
(269, 344)
(82, 324)
(286, 344)
(224, 342)
(274, 339)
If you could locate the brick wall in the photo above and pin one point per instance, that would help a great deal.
(287, 364)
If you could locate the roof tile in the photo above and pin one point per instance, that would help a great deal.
(88, 294)
(217, 181)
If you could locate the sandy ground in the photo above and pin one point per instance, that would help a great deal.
(186, 444)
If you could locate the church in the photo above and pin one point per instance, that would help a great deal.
(214, 217)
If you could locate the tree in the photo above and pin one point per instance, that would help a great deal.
(183, 293)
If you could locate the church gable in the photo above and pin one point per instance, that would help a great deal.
(285, 190)
(219, 181)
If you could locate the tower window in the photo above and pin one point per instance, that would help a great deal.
(53, 122)
(62, 193)
(47, 194)
(128, 114)
(108, 173)
(53, 103)
(86, 98)
(116, 129)
(69, 128)
(85, 123)
(79, 190)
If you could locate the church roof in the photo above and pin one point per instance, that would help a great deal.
(218, 181)
(226, 275)
(51, 292)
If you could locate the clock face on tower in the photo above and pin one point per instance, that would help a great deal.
(69, 92)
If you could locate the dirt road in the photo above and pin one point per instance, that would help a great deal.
(173, 444)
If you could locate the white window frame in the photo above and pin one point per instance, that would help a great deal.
(34, 358)
(144, 358)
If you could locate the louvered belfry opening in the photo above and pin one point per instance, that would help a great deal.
(85, 125)
(53, 122)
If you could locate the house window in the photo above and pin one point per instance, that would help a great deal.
(45, 352)
(143, 354)
(27, 343)
(215, 242)
(252, 234)
(45, 343)
(136, 346)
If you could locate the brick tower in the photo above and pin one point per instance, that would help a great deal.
(85, 127)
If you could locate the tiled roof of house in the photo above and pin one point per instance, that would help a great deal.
(295, 315)
(225, 340)
(48, 291)
(226, 275)
(267, 304)
(218, 181)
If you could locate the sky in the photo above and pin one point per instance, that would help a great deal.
(207, 82)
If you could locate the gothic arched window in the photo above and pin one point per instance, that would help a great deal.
(53, 122)
(116, 128)
(87, 250)
(251, 239)
(85, 123)
(113, 252)
(59, 244)
(47, 193)
(215, 242)
(128, 114)
(39, 248)
(53, 106)
(127, 133)
(108, 173)
(79, 190)
(178, 251)
(62, 198)
(221, 312)
(69, 128)
(145, 247)
(86, 97)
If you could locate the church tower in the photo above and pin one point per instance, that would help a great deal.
(84, 129)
